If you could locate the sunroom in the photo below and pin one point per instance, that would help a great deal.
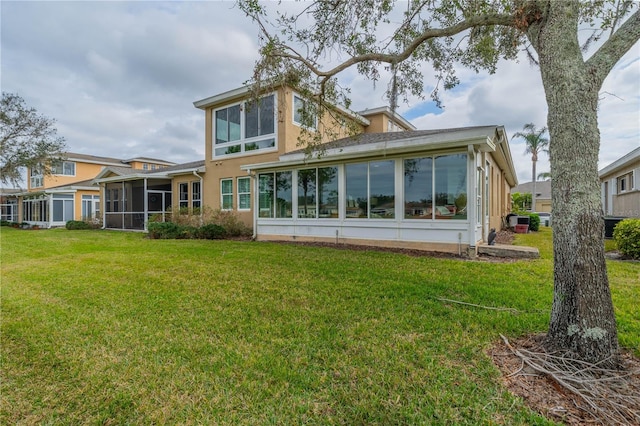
(428, 190)
(134, 197)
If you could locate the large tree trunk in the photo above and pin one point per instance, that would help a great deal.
(582, 316)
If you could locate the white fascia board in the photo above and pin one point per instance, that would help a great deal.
(215, 99)
(373, 150)
(121, 178)
(201, 169)
(620, 163)
(102, 163)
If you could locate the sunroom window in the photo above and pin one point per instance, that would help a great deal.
(370, 190)
(243, 127)
(275, 195)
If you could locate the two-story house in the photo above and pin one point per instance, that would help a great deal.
(388, 184)
(68, 192)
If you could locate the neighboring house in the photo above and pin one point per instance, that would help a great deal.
(620, 183)
(390, 185)
(133, 196)
(9, 204)
(543, 194)
(68, 191)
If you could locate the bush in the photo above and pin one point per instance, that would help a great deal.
(211, 232)
(534, 222)
(78, 224)
(230, 221)
(163, 230)
(5, 223)
(627, 237)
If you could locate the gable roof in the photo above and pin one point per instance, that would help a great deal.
(543, 188)
(126, 173)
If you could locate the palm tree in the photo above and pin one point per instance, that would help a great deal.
(544, 175)
(534, 142)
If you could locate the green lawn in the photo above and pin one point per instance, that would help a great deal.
(111, 328)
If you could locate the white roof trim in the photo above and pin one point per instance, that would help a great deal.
(621, 162)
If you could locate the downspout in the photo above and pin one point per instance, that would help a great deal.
(195, 173)
(145, 204)
(256, 199)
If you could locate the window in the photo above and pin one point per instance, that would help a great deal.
(145, 166)
(625, 182)
(435, 188)
(195, 195)
(318, 193)
(275, 195)
(62, 207)
(418, 188)
(183, 201)
(65, 168)
(244, 193)
(245, 127)
(303, 114)
(226, 194)
(371, 190)
(36, 179)
(451, 186)
(90, 207)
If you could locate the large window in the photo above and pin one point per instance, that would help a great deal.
(418, 188)
(275, 195)
(226, 194)
(65, 168)
(245, 127)
(244, 193)
(62, 207)
(318, 193)
(371, 190)
(436, 188)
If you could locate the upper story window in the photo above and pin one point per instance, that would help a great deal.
(625, 182)
(36, 179)
(303, 115)
(244, 127)
(65, 168)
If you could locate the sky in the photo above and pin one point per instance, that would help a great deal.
(120, 79)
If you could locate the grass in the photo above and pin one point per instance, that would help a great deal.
(111, 328)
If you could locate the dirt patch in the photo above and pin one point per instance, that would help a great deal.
(545, 396)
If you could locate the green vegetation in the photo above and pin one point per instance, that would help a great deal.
(627, 237)
(103, 327)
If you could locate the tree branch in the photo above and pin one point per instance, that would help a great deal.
(601, 63)
(473, 21)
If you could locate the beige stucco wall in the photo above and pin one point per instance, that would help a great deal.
(84, 171)
(626, 204)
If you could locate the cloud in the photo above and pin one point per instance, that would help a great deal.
(121, 78)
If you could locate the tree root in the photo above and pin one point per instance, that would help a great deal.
(612, 396)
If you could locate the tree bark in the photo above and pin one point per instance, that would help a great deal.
(582, 316)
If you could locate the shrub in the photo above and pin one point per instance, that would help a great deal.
(78, 224)
(211, 231)
(627, 237)
(163, 230)
(5, 223)
(231, 223)
(534, 222)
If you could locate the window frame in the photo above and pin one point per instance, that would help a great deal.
(245, 145)
(625, 182)
(183, 195)
(224, 194)
(243, 194)
(196, 200)
(62, 168)
(295, 109)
